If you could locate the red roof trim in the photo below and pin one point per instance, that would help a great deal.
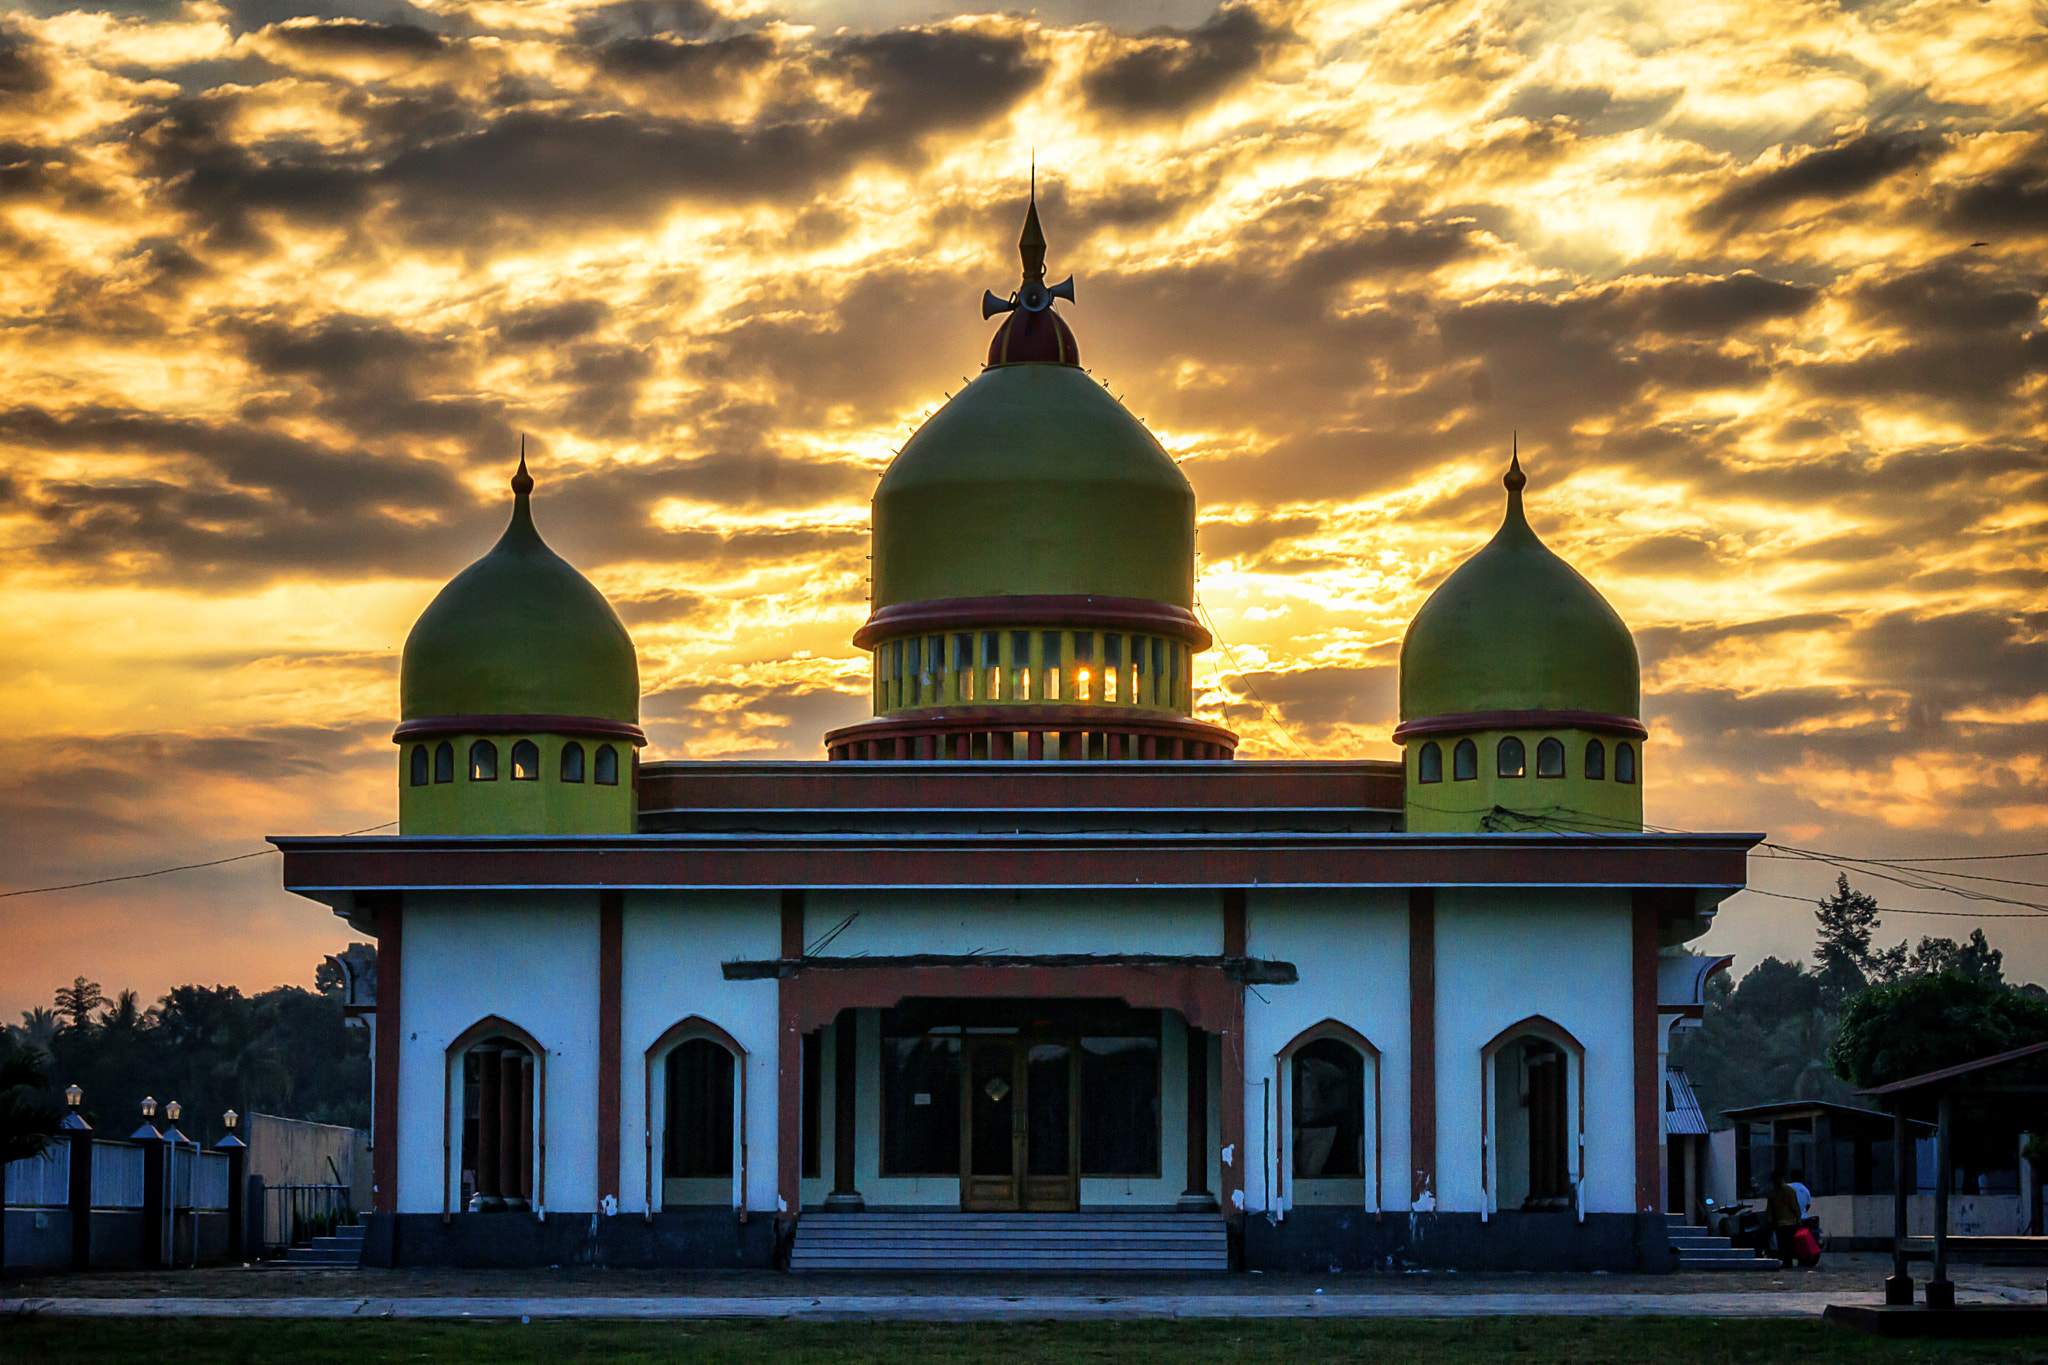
(594, 726)
(1137, 614)
(1521, 720)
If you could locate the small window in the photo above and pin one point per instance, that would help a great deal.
(525, 761)
(991, 649)
(1465, 761)
(934, 657)
(1513, 760)
(444, 762)
(1550, 758)
(1596, 760)
(1158, 657)
(1429, 764)
(963, 653)
(895, 659)
(419, 765)
(572, 762)
(1020, 665)
(1112, 651)
(1624, 763)
(483, 761)
(607, 766)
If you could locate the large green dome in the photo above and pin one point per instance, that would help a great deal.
(1515, 628)
(520, 632)
(1033, 480)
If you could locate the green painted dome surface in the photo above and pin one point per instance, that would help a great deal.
(1033, 479)
(1515, 628)
(520, 632)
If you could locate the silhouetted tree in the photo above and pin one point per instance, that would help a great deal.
(1975, 957)
(77, 1001)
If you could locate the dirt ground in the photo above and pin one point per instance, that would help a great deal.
(1851, 1273)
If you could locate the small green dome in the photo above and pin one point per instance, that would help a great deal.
(1515, 628)
(1033, 479)
(520, 632)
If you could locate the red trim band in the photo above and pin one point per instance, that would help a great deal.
(1034, 609)
(1521, 720)
(592, 726)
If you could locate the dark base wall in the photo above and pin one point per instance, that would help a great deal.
(38, 1239)
(693, 1239)
(1348, 1240)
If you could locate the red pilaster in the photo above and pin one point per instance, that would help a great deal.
(611, 958)
(789, 1072)
(387, 911)
(1649, 1112)
(1231, 1196)
(1422, 1045)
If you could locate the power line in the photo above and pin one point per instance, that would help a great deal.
(1242, 677)
(161, 871)
(1894, 910)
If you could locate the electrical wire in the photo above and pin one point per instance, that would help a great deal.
(1264, 710)
(182, 867)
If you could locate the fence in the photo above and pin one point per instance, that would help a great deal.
(293, 1215)
(41, 1182)
(116, 1175)
(310, 1172)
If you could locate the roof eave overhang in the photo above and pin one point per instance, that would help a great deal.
(1712, 865)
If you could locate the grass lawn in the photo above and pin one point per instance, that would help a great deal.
(34, 1341)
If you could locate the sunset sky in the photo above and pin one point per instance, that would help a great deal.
(1757, 283)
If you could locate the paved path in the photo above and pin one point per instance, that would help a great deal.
(985, 1308)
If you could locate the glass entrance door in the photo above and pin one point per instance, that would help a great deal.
(1017, 1125)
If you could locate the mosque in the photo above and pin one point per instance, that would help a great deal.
(1027, 970)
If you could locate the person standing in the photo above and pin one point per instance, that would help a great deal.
(1805, 1195)
(1781, 1211)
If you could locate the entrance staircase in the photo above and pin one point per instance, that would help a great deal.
(942, 1239)
(1699, 1249)
(342, 1251)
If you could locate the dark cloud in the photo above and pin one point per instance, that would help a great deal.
(1659, 644)
(353, 37)
(1959, 657)
(573, 166)
(1981, 369)
(2012, 199)
(1172, 71)
(247, 503)
(1672, 554)
(544, 324)
(1236, 539)
(1847, 168)
(1718, 306)
(1595, 109)
(224, 187)
(23, 72)
(785, 721)
(1950, 296)
(688, 65)
(1311, 702)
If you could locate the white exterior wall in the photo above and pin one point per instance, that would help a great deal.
(529, 957)
(1351, 950)
(1502, 956)
(674, 943)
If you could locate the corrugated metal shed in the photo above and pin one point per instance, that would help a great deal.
(1682, 1114)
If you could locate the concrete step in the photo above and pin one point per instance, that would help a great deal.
(944, 1240)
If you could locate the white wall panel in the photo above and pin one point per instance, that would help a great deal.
(529, 957)
(1502, 956)
(675, 943)
(1351, 949)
